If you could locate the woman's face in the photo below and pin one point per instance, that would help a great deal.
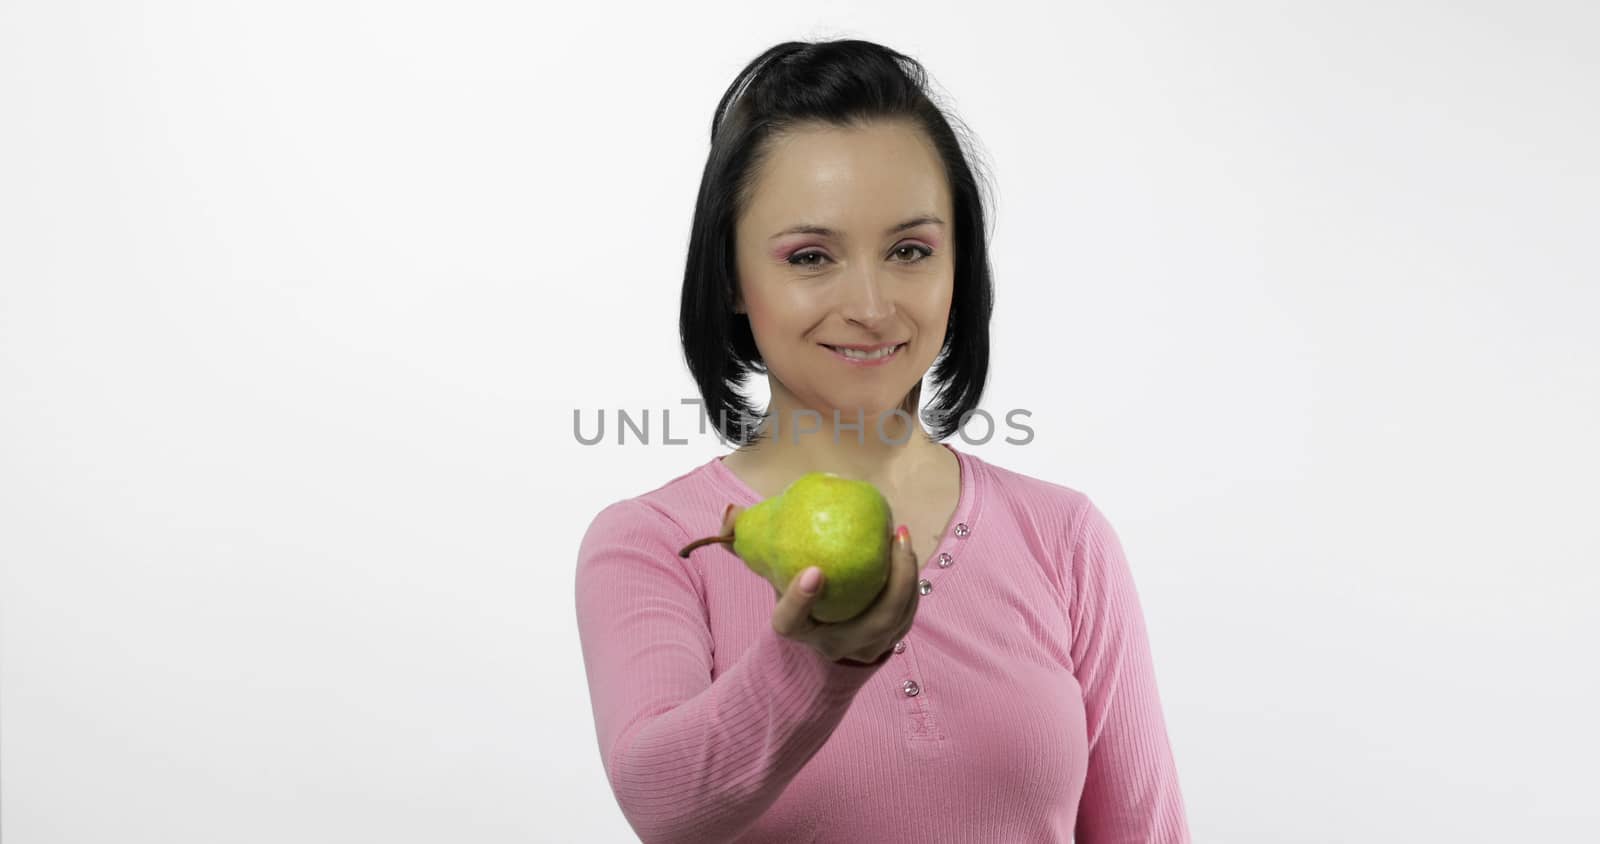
(864, 284)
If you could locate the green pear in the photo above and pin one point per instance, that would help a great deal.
(839, 525)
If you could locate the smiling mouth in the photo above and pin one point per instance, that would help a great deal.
(858, 354)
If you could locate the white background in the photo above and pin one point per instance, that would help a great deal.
(297, 301)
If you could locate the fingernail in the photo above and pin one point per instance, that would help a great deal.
(725, 511)
(902, 534)
(809, 579)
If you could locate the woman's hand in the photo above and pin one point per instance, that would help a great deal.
(863, 639)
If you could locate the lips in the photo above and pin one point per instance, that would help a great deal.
(861, 347)
(866, 354)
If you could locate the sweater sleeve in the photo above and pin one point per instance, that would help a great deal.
(690, 758)
(1131, 791)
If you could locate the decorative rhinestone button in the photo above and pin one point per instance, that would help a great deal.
(924, 587)
(945, 560)
(961, 529)
(900, 646)
(910, 688)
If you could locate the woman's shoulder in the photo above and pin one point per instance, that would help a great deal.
(1027, 490)
(679, 505)
(1050, 512)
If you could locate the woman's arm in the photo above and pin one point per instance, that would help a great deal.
(689, 758)
(1131, 792)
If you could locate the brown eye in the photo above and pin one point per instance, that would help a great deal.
(922, 251)
(797, 258)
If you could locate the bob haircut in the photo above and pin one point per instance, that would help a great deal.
(844, 83)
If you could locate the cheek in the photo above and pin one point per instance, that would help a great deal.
(766, 317)
(774, 326)
(777, 313)
(932, 308)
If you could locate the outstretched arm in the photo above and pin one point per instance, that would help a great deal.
(689, 758)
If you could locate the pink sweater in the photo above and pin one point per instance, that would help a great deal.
(1022, 708)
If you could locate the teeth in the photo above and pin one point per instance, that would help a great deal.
(860, 355)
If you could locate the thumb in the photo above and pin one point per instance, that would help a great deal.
(792, 615)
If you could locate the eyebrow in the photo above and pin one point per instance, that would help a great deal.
(806, 228)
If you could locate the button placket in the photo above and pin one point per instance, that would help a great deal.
(918, 699)
(942, 560)
(922, 725)
(944, 557)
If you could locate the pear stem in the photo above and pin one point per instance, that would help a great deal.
(723, 540)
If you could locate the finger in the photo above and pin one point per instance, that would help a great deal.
(729, 516)
(890, 606)
(909, 617)
(907, 559)
(792, 616)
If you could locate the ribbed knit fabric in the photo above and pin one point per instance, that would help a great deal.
(1035, 717)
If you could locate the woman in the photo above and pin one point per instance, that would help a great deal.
(1001, 687)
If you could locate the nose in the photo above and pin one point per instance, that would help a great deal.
(865, 301)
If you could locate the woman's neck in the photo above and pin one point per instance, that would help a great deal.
(887, 449)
